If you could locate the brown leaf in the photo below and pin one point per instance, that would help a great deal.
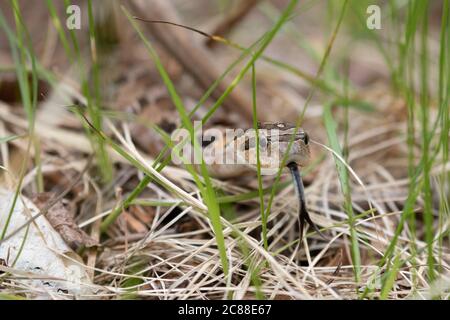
(60, 216)
(135, 225)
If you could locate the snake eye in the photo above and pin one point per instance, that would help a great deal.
(306, 138)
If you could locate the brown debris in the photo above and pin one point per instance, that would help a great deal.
(194, 59)
(60, 217)
(10, 89)
(234, 17)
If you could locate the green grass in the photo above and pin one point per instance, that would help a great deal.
(90, 89)
(160, 162)
(186, 122)
(424, 106)
(407, 56)
(444, 101)
(300, 118)
(206, 189)
(9, 138)
(258, 161)
(331, 128)
(410, 63)
(22, 53)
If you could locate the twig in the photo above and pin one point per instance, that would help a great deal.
(195, 60)
(234, 17)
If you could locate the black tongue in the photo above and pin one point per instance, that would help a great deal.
(303, 215)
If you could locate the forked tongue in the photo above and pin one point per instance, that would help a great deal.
(303, 215)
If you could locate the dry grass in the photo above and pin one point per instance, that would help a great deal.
(163, 246)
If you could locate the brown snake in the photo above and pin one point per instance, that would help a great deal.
(274, 139)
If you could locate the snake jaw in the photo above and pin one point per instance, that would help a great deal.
(303, 215)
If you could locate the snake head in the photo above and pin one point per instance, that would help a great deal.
(274, 140)
(299, 151)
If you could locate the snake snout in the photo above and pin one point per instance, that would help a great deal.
(299, 154)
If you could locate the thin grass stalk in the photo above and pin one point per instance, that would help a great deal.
(258, 161)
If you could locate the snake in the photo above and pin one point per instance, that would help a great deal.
(273, 146)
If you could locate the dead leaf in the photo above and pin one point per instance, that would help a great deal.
(135, 225)
(39, 257)
(60, 217)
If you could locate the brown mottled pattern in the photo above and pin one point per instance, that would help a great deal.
(274, 138)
